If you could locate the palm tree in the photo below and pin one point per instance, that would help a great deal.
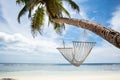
(54, 10)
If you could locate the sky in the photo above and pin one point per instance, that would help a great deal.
(17, 44)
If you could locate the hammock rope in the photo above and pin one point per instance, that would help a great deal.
(77, 54)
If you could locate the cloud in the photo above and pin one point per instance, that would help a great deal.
(13, 43)
(18, 48)
(115, 20)
(106, 53)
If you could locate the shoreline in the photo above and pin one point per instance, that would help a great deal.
(114, 75)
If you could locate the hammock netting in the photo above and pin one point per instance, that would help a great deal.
(78, 53)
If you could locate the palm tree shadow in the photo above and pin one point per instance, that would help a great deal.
(7, 79)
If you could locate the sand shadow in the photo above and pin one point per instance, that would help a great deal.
(7, 79)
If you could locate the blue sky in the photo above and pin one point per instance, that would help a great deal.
(18, 45)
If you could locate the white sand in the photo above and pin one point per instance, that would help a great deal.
(67, 76)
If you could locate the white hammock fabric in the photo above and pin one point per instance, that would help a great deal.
(78, 53)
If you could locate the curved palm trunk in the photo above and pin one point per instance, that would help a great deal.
(108, 34)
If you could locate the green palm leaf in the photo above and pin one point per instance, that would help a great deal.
(64, 10)
(37, 20)
(59, 27)
(53, 9)
(28, 7)
(22, 1)
(73, 5)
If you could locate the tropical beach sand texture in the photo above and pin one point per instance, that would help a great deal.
(67, 76)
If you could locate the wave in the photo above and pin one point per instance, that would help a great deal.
(13, 67)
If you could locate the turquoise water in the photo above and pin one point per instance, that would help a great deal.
(15, 67)
(23, 70)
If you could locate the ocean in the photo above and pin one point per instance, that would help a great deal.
(36, 71)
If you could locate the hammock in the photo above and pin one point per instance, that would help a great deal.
(78, 53)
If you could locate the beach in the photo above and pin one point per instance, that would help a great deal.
(66, 76)
(85, 72)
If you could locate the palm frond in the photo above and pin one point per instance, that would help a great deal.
(22, 12)
(22, 1)
(30, 13)
(28, 7)
(37, 20)
(53, 8)
(58, 28)
(73, 5)
(64, 10)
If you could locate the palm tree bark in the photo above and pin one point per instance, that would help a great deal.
(108, 34)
